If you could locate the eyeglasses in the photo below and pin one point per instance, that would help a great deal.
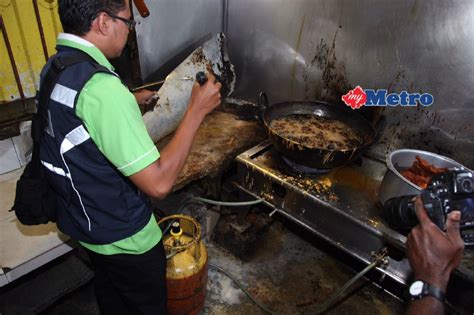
(130, 23)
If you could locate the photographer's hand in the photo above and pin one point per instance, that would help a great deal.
(433, 255)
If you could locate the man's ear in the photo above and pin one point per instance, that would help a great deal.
(102, 23)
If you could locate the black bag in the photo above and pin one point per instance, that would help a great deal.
(35, 200)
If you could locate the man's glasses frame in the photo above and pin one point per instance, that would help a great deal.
(130, 23)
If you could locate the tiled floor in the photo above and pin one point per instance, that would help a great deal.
(23, 248)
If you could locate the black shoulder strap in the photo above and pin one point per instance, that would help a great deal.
(58, 64)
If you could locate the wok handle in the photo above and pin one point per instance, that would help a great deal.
(262, 96)
(262, 103)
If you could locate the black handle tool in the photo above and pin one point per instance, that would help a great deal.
(201, 78)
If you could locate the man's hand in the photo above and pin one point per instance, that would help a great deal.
(205, 98)
(432, 253)
(143, 96)
(158, 178)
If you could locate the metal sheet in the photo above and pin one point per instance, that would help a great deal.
(172, 26)
(316, 49)
(340, 207)
(174, 94)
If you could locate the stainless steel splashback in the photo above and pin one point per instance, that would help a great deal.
(317, 49)
(173, 25)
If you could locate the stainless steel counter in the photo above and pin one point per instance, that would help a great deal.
(340, 207)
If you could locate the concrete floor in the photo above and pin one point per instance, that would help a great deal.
(287, 273)
(287, 269)
(290, 276)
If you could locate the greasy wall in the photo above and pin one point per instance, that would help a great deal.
(171, 28)
(318, 49)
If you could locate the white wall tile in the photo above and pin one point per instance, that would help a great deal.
(8, 157)
(23, 143)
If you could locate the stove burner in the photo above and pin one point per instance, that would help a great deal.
(302, 169)
(339, 207)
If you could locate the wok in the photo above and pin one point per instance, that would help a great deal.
(320, 158)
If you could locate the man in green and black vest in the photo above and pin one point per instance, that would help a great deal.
(103, 164)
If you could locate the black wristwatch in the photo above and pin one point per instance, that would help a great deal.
(420, 289)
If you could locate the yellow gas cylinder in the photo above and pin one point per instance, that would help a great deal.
(186, 267)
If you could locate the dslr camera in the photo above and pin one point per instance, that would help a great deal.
(450, 191)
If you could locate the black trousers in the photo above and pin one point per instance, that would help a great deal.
(131, 284)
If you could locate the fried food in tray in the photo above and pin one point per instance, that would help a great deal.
(421, 172)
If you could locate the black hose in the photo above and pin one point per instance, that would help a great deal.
(263, 307)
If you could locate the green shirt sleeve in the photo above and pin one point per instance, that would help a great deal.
(113, 119)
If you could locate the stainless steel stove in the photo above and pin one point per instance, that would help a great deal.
(339, 206)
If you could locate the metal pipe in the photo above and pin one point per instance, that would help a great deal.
(225, 16)
(276, 210)
(12, 61)
(141, 87)
(329, 302)
(379, 258)
(40, 28)
(144, 86)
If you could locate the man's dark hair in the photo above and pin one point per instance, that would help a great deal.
(77, 15)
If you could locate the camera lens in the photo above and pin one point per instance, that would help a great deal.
(399, 212)
(466, 185)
